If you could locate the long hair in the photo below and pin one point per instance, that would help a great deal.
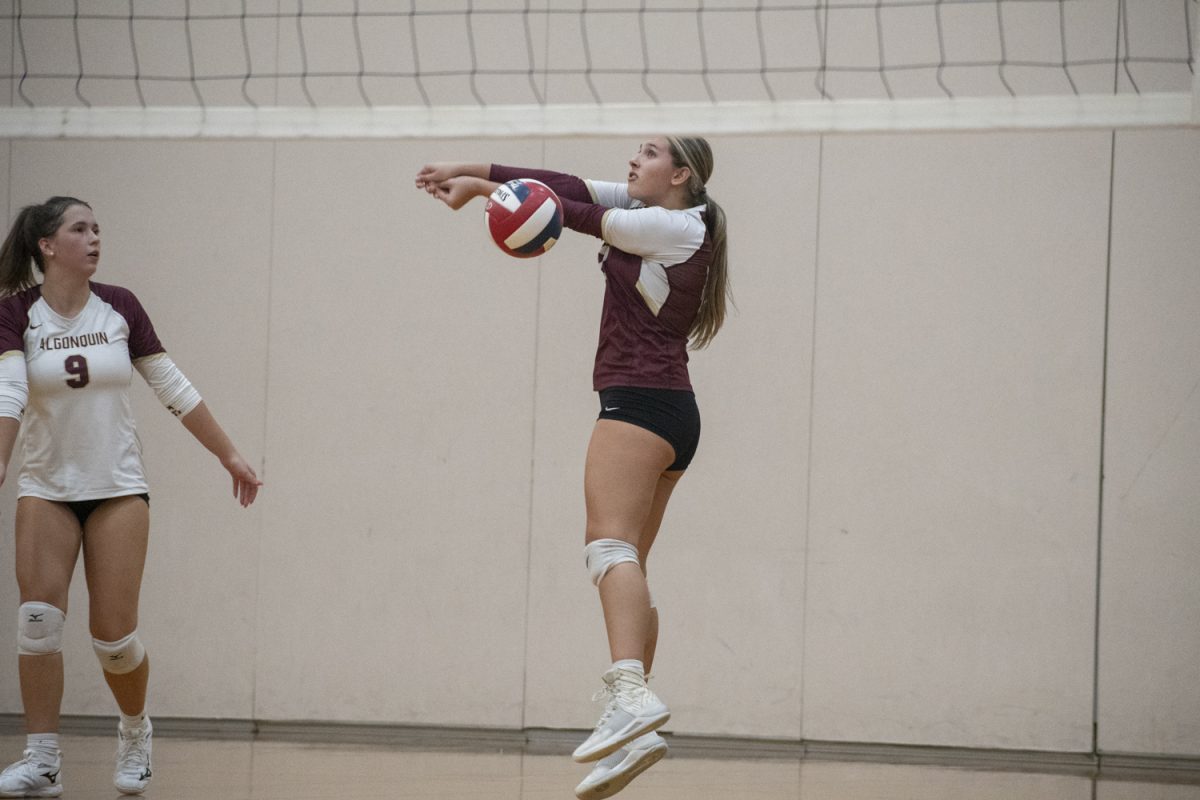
(20, 253)
(695, 154)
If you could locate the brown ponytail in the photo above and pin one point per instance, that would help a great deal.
(695, 154)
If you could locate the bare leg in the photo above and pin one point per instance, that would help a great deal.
(625, 466)
(114, 557)
(662, 493)
(47, 545)
(625, 470)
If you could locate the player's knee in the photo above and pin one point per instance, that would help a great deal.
(122, 656)
(39, 629)
(604, 554)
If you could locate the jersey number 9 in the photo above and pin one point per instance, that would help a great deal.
(77, 366)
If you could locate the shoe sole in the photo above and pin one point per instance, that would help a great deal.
(130, 789)
(619, 780)
(49, 791)
(615, 744)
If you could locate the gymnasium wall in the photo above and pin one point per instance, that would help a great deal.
(896, 528)
(890, 533)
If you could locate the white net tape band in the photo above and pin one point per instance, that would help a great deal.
(818, 116)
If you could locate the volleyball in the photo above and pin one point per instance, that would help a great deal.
(524, 217)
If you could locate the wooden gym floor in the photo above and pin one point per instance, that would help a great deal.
(189, 768)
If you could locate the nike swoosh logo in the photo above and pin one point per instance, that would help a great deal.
(35, 327)
(614, 408)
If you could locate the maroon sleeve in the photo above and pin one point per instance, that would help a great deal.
(579, 212)
(14, 319)
(143, 341)
(567, 187)
(583, 217)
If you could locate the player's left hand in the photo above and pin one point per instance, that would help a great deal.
(245, 481)
(456, 192)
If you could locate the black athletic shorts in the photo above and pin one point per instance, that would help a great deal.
(669, 413)
(84, 508)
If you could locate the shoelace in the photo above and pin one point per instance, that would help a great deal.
(609, 695)
(132, 751)
(630, 696)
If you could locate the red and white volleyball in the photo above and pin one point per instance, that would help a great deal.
(524, 217)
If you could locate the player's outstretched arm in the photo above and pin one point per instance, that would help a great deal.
(454, 183)
(203, 425)
(439, 171)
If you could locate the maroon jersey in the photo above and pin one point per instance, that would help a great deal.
(655, 263)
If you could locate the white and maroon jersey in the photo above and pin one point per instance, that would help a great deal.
(655, 262)
(68, 381)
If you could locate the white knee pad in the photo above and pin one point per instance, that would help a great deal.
(121, 656)
(39, 629)
(604, 554)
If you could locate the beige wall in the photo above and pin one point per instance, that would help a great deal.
(956, 432)
(890, 532)
(1150, 596)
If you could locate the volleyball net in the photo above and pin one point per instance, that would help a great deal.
(510, 68)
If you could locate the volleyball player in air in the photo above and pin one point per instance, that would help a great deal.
(664, 260)
(68, 348)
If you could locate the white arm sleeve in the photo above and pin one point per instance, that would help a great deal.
(656, 234)
(611, 195)
(14, 384)
(173, 389)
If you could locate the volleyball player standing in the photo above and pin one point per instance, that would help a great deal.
(68, 348)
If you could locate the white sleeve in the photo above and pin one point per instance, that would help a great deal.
(173, 389)
(14, 384)
(657, 234)
(611, 195)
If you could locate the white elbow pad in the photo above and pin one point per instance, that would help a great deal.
(14, 387)
(174, 390)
